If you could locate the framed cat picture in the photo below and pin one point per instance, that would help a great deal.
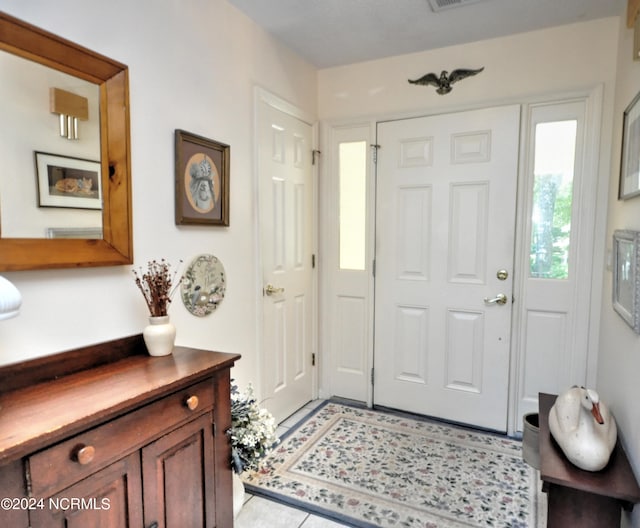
(68, 182)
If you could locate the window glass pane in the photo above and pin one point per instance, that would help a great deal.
(555, 148)
(352, 175)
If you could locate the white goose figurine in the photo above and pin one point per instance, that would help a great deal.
(583, 427)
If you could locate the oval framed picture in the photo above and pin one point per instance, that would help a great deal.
(204, 285)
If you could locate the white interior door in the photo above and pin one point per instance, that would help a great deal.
(445, 219)
(284, 144)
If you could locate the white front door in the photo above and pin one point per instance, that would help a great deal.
(445, 220)
(284, 144)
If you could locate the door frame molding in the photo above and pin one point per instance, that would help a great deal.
(595, 244)
(261, 95)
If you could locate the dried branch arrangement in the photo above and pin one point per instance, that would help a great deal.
(157, 285)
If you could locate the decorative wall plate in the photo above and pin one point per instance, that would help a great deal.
(203, 285)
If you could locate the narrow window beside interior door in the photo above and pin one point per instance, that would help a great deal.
(352, 175)
(554, 164)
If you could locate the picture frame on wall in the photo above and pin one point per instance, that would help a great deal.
(201, 180)
(626, 277)
(64, 181)
(630, 159)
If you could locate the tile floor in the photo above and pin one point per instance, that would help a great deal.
(258, 512)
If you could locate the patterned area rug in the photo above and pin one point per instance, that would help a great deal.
(370, 468)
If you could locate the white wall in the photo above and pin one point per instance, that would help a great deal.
(526, 65)
(193, 65)
(619, 362)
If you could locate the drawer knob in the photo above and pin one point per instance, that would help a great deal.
(192, 402)
(85, 454)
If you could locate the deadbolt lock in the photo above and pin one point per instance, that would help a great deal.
(502, 274)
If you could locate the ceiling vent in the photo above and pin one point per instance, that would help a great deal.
(441, 5)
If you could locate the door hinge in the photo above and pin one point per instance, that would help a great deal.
(373, 267)
(313, 360)
(374, 153)
(372, 376)
(313, 261)
(315, 153)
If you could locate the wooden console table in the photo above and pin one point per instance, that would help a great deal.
(108, 436)
(579, 498)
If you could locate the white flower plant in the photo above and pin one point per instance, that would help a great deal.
(252, 431)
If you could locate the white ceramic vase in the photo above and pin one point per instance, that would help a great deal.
(159, 336)
(238, 494)
(10, 299)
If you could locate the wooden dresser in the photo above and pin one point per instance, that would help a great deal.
(107, 436)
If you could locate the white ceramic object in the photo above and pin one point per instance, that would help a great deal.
(159, 336)
(10, 299)
(583, 427)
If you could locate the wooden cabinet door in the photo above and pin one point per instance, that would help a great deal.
(111, 497)
(14, 511)
(179, 477)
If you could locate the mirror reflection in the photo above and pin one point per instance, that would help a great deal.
(65, 168)
(50, 185)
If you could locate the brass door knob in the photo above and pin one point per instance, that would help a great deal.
(270, 289)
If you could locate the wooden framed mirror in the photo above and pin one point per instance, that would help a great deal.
(111, 80)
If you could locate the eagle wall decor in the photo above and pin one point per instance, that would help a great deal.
(445, 80)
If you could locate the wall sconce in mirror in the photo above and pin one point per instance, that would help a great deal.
(10, 299)
(71, 108)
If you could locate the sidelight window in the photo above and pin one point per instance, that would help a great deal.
(554, 169)
(352, 158)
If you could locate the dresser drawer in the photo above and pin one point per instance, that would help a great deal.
(63, 464)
